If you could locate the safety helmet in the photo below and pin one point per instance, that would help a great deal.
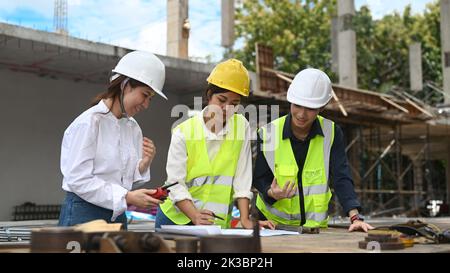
(144, 67)
(231, 75)
(310, 88)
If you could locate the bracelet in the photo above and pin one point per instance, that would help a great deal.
(354, 218)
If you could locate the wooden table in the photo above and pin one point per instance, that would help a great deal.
(334, 240)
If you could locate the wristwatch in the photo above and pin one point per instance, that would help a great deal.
(358, 217)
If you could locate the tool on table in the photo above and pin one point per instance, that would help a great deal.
(299, 229)
(384, 240)
(417, 228)
(162, 192)
(306, 230)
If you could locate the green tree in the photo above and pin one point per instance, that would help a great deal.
(298, 31)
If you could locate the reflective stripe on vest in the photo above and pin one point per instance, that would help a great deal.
(316, 216)
(315, 189)
(210, 182)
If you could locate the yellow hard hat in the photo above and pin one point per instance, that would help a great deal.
(231, 75)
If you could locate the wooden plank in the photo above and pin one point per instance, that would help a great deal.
(264, 58)
(341, 107)
(281, 76)
(419, 108)
(394, 104)
(279, 72)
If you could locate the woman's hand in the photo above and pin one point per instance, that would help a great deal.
(248, 224)
(142, 198)
(148, 154)
(266, 224)
(203, 217)
(278, 193)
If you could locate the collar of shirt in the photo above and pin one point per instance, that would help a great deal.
(214, 136)
(316, 129)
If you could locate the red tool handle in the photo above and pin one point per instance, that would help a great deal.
(160, 194)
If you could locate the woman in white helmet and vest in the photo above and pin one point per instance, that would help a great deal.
(103, 151)
(210, 157)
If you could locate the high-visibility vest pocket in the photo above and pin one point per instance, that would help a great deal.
(285, 173)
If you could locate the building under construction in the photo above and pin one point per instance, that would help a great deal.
(398, 146)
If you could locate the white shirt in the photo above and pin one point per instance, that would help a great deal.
(100, 158)
(177, 158)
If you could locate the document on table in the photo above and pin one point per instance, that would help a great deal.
(191, 230)
(217, 230)
(262, 232)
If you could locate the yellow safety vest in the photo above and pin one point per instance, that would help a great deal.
(210, 183)
(281, 160)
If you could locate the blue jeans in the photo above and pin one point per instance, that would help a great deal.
(76, 210)
(162, 219)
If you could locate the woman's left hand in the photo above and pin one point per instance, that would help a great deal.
(248, 224)
(266, 224)
(148, 153)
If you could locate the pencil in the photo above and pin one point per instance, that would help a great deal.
(218, 217)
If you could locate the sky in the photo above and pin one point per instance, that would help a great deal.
(141, 24)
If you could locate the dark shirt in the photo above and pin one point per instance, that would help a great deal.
(340, 176)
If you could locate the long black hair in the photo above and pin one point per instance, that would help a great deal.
(114, 90)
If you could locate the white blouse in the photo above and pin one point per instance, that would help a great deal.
(100, 158)
(177, 159)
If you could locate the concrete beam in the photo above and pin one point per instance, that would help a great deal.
(415, 67)
(347, 44)
(60, 40)
(227, 23)
(178, 28)
(445, 41)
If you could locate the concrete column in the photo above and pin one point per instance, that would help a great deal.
(347, 44)
(415, 67)
(177, 28)
(334, 45)
(445, 40)
(227, 23)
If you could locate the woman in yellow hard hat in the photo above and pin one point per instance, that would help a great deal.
(210, 157)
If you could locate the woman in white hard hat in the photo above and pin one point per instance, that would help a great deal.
(299, 154)
(210, 157)
(103, 151)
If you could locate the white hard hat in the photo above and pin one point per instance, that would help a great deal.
(144, 67)
(310, 88)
